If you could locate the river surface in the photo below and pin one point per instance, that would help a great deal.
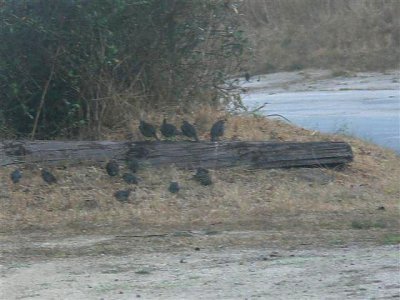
(366, 105)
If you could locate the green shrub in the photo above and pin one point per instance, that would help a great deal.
(68, 65)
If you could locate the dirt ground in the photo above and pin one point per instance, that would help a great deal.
(206, 264)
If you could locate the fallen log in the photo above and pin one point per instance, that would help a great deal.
(181, 154)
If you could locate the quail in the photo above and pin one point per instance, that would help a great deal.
(217, 130)
(203, 176)
(112, 168)
(168, 130)
(122, 195)
(48, 177)
(133, 165)
(129, 178)
(16, 176)
(174, 187)
(148, 130)
(189, 130)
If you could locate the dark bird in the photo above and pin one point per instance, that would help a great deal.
(123, 195)
(247, 76)
(168, 130)
(112, 168)
(203, 176)
(48, 177)
(189, 130)
(148, 130)
(133, 165)
(16, 176)
(217, 130)
(130, 178)
(174, 187)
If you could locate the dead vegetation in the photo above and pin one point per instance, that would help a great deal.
(334, 34)
(323, 198)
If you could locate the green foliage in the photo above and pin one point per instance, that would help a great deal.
(95, 55)
(367, 224)
(392, 239)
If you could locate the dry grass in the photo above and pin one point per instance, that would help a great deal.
(291, 35)
(83, 198)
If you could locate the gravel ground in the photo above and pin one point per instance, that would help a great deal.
(172, 267)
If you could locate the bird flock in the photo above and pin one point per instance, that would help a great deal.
(148, 130)
(188, 130)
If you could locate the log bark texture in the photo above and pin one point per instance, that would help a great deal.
(181, 154)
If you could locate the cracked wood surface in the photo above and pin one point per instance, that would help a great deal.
(181, 154)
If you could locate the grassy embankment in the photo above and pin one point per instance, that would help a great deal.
(294, 199)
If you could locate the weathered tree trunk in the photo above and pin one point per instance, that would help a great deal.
(181, 154)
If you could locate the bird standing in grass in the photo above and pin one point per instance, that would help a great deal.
(123, 195)
(203, 176)
(129, 178)
(189, 130)
(148, 130)
(168, 130)
(174, 187)
(112, 168)
(217, 130)
(133, 165)
(48, 177)
(16, 176)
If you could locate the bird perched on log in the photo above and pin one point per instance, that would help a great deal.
(122, 195)
(168, 130)
(112, 168)
(203, 176)
(129, 178)
(148, 130)
(189, 130)
(217, 130)
(48, 177)
(16, 176)
(174, 187)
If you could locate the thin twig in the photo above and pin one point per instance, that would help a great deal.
(141, 236)
(258, 108)
(44, 93)
(278, 115)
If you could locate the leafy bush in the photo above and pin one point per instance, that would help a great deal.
(68, 65)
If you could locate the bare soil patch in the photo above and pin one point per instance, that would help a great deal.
(202, 264)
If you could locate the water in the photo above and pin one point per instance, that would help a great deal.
(372, 115)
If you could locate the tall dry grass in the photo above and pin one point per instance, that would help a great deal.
(355, 35)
